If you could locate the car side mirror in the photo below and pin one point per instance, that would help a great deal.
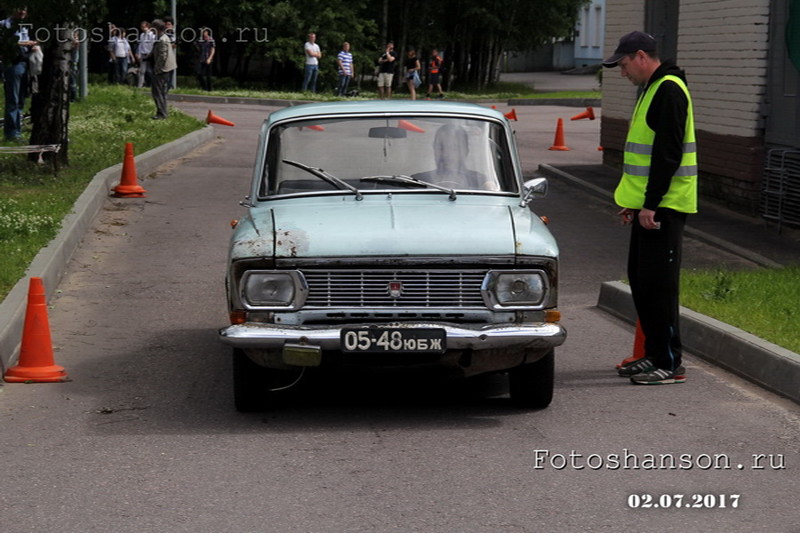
(533, 189)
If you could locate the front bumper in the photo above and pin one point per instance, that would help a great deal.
(538, 336)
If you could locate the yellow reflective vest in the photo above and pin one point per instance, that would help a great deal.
(682, 193)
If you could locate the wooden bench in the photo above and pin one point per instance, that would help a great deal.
(31, 149)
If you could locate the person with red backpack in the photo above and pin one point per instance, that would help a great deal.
(435, 73)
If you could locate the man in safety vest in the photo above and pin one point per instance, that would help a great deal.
(657, 190)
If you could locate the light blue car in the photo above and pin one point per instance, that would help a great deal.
(393, 234)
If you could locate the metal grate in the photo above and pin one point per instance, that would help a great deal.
(373, 288)
(780, 189)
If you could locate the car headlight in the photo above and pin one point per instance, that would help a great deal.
(510, 290)
(262, 289)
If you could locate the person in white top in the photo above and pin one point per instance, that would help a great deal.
(119, 51)
(313, 54)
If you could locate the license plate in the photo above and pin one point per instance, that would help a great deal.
(393, 340)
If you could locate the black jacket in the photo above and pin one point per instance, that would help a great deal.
(667, 117)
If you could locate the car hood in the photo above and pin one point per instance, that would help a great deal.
(381, 226)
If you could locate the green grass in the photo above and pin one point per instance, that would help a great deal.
(34, 200)
(762, 302)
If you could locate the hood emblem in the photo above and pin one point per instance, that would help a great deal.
(395, 289)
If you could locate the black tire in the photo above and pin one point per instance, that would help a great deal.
(531, 385)
(250, 386)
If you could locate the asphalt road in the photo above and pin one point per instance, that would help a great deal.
(145, 437)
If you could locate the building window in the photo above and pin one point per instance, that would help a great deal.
(598, 26)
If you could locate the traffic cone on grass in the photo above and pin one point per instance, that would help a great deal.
(558, 143)
(36, 364)
(638, 346)
(589, 113)
(211, 118)
(128, 185)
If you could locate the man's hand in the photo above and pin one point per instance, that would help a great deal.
(647, 219)
(625, 215)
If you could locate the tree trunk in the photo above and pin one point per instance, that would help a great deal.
(50, 105)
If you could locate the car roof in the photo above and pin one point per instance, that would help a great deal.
(383, 106)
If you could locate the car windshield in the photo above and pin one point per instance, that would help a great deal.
(358, 155)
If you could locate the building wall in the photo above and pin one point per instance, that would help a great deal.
(589, 34)
(723, 47)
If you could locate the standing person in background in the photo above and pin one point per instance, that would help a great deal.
(144, 51)
(169, 29)
(345, 63)
(120, 54)
(112, 65)
(163, 65)
(74, 61)
(412, 73)
(386, 65)
(657, 191)
(435, 73)
(206, 49)
(15, 71)
(313, 54)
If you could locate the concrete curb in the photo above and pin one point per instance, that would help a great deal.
(209, 99)
(768, 365)
(564, 102)
(51, 262)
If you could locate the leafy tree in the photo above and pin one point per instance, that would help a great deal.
(475, 33)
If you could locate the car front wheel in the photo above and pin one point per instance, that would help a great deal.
(250, 392)
(531, 385)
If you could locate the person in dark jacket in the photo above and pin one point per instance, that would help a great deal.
(656, 192)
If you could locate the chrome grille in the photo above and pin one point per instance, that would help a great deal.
(371, 288)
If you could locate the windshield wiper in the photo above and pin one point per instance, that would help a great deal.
(402, 179)
(330, 178)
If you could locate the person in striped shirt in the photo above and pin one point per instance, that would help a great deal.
(345, 62)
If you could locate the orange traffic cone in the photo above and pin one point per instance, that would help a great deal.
(128, 185)
(36, 363)
(211, 118)
(558, 143)
(589, 113)
(511, 115)
(638, 346)
(406, 125)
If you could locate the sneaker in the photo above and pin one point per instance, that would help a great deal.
(659, 376)
(636, 367)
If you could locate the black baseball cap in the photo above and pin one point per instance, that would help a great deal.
(630, 43)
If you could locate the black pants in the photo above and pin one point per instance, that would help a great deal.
(654, 265)
(204, 76)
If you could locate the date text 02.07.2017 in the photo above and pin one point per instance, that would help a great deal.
(683, 501)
